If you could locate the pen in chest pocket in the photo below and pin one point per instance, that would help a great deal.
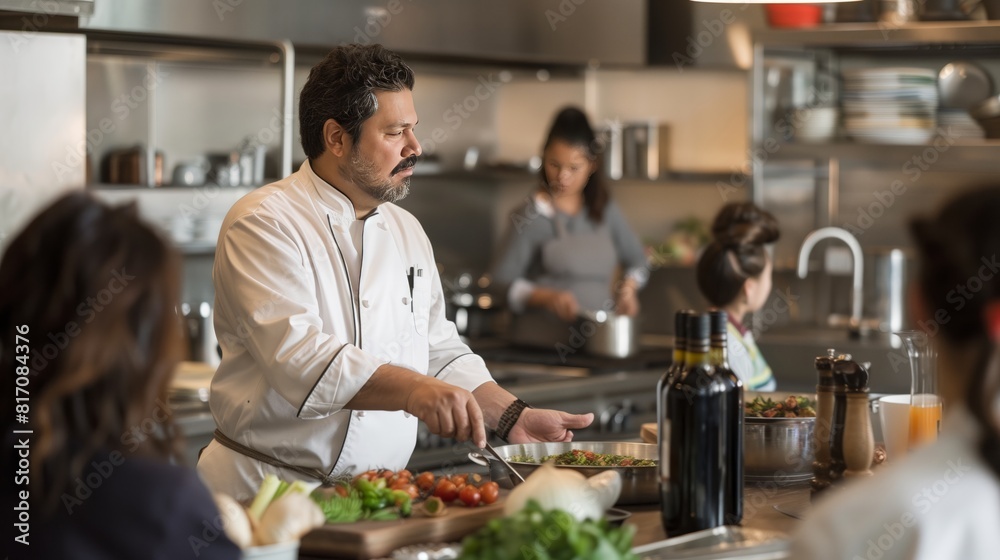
(409, 280)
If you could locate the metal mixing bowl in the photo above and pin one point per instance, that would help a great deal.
(639, 484)
(778, 449)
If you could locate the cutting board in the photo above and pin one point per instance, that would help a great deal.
(374, 539)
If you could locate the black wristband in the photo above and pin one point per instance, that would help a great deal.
(509, 418)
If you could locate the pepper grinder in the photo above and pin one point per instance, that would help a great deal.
(824, 418)
(859, 441)
(837, 465)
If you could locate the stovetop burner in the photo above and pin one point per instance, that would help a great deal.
(493, 350)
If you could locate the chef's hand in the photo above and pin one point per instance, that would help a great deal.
(542, 424)
(562, 304)
(627, 302)
(448, 411)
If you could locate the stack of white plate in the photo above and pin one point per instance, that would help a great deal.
(958, 124)
(890, 105)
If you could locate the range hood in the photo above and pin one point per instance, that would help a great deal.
(686, 34)
(571, 32)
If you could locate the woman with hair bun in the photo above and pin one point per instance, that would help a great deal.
(734, 274)
(942, 500)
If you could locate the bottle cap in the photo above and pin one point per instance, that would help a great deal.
(698, 329)
(718, 319)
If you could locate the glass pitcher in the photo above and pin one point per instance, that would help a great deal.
(925, 404)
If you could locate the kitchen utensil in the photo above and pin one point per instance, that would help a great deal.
(516, 475)
(189, 174)
(815, 124)
(609, 334)
(778, 450)
(640, 485)
(964, 85)
(887, 291)
(224, 169)
(644, 150)
(925, 403)
(130, 166)
(721, 542)
(609, 146)
(476, 311)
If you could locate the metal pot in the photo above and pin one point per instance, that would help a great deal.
(609, 334)
(474, 309)
(639, 484)
(778, 449)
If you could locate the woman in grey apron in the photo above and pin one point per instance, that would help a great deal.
(566, 243)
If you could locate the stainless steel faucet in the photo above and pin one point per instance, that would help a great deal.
(838, 233)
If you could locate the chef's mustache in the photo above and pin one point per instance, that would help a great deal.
(405, 164)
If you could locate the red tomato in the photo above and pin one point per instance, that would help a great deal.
(458, 479)
(386, 474)
(368, 475)
(489, 492)
(425, 481)
(470, 495)
(404, 474)
(446, 490)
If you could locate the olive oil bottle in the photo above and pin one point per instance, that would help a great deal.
(693, 470)
(733, 424)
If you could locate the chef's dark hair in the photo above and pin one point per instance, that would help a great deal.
(737, 251)
(342, 87)
(97, 290)
(955, 247)
(572, 127)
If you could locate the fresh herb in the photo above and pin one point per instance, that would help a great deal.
(534, 533)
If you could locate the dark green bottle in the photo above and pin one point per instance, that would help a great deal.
(733, 423)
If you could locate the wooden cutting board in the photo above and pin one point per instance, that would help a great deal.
(374, 539)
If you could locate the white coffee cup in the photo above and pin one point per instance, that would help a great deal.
(894, 416)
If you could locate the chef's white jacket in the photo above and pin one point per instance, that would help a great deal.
(940, 501)
(299, 338)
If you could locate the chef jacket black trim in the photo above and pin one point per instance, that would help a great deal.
(316, 384)
(444, 367)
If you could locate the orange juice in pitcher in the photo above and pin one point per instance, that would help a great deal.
(925, 419)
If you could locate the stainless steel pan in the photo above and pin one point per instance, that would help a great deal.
(639, 484)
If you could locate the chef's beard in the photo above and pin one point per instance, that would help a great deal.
(364, 173)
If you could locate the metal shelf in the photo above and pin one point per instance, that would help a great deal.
(963, 154)
(882, 36)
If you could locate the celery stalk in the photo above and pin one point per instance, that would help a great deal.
(265, 494)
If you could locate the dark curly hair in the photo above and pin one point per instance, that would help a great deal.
(736, 252)
(572, 127)
(342, 87)
(955, 247)
(97, 290)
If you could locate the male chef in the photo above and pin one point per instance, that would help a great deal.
(329, 309)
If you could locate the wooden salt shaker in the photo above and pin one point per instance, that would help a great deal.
(859, 440)
(824, 419)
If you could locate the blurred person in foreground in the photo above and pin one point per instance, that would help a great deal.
(941, 500)
(734, 274)
(329, 307)
(569, 239)
(92, 292)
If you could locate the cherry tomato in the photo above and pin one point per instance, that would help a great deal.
(446, 490)
(470, 495)
(425, 481)
(489, 492)
(367, 475)
(386, 474)
(404, 474)
(458, 479)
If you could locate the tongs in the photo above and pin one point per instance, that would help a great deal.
(475, 457)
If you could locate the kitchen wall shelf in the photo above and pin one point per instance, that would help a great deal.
(959, 155)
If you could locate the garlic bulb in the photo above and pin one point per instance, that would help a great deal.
(567, 490)
(235, 522)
